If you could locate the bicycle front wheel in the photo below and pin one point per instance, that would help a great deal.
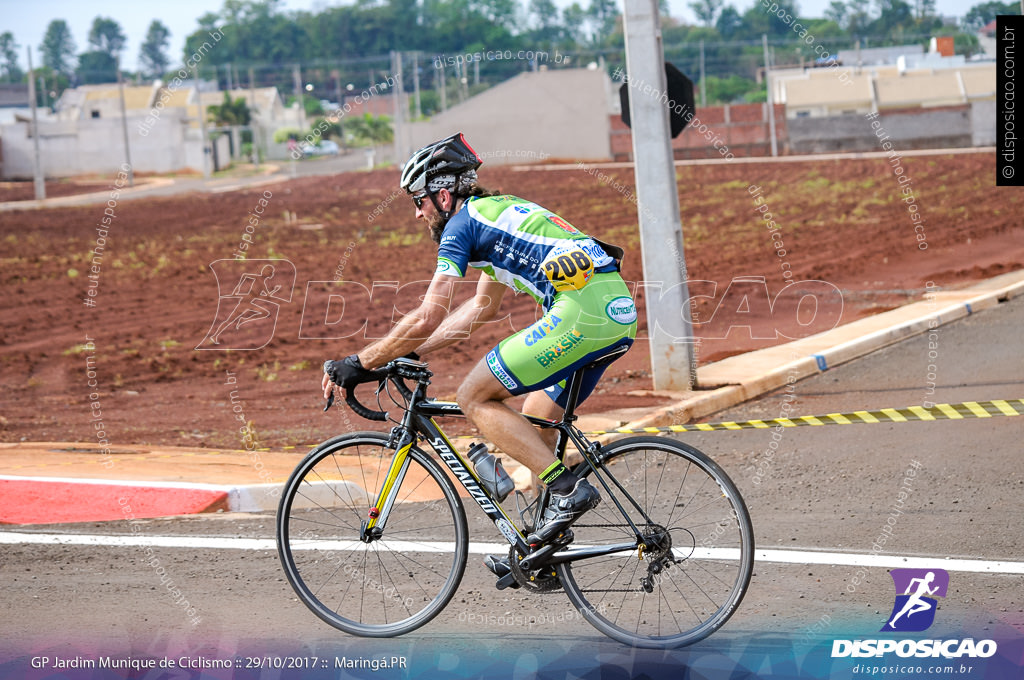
(394, 583)
(700, 552)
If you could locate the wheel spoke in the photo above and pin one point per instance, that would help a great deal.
(671, 482)
(376, 587)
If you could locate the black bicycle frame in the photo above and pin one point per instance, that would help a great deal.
(419, 422)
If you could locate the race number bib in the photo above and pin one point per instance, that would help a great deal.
(568, 267)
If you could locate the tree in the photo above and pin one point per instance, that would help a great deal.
(573, 17)
(152, 55)
(603, 14)
(924, 9)
(9, 54)
(50, 85)
(310, 104)
(229, 112)
(500, 12)
(983, 13)
(106, 36)
(58, 47)
(757, 21)
(728, 90)
(730, 23)
(896, 19)
(371, 129)
(96, 67)
(858, 17)
(837, 12)
(707, 10)
(545, 17)
(328, 128)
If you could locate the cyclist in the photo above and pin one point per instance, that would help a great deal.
(516, 244)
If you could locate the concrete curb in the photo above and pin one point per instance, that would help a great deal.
(67, 499)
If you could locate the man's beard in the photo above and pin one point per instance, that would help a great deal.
(436, 224)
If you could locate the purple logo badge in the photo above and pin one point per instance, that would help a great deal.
(916, 590)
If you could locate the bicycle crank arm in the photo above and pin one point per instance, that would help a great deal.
(539, 558)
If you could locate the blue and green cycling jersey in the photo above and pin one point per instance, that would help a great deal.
(508, 238)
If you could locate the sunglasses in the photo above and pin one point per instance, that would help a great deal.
(418, 199)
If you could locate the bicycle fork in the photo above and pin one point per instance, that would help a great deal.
(373, 526)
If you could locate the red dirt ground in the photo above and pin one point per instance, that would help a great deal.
(842, 224)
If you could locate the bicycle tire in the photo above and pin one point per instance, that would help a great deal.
(391, 585)
(711, 547)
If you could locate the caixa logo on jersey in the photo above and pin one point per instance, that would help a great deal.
(914, 611)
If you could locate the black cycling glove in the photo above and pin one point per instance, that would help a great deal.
(347, 372)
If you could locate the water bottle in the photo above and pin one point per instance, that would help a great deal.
(491, 473)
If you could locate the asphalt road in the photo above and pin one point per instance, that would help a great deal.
(821, 489)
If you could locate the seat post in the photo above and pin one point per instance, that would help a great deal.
(574, 386)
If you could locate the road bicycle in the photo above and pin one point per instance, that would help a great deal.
(373, 535)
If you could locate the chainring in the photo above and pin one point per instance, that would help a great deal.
(543, 580)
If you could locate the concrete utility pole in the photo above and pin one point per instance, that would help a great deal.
(299, 96)
(703, 88)
(396, 92)
(444, 88)
(124, 126)
(416, 82)
(202, 124)
(661, 236)
(253, 127)
(39, 180)
(771, 98)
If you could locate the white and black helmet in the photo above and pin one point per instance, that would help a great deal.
(447, 164)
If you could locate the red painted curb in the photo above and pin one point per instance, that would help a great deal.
(52, 502)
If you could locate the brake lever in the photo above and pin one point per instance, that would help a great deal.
(330, 401)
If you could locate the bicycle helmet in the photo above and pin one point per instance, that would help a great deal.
(447, 164)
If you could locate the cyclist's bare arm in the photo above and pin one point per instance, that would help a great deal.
(472, 314)
(415, 327)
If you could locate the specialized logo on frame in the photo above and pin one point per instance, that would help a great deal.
(250, 294)
(916, 603)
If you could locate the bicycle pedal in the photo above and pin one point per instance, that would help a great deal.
(507, 581)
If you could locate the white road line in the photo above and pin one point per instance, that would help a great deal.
(777, 556)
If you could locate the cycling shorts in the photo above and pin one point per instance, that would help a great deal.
(580, 326)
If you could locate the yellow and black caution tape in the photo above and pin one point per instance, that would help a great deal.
(968, 409)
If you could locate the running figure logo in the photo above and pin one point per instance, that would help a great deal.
(916, 590)
(247, 316)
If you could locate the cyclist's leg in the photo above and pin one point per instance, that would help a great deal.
(539, 405)
(577, 329)
(482, 398)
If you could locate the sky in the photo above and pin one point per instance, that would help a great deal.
(28, 20)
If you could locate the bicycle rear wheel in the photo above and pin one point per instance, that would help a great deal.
(695, 575)
(392, 584)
